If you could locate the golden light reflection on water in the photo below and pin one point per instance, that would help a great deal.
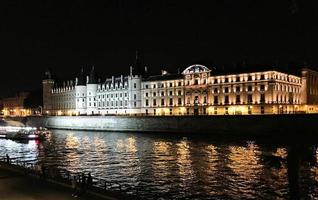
(162, 158)
(128, 155)
(71, 156)
(281, 152)
(184, 160)
(100, 146)
(126, 145)
(314, 169)
(244, 161)
(212, 154)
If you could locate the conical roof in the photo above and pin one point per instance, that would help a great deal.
(81, 78)
(92, 77)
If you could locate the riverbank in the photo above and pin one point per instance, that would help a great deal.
(211, 125)
(15, 186)
(18, 180)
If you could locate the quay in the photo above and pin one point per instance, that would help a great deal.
(235, 125)
(24, 180)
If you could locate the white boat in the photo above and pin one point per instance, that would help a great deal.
(25, 133)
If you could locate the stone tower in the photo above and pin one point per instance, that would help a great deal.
(48, 84)
(91, 93)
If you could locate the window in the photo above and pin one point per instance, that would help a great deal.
(226, 99)
(249, 78)
(170, 101)
(135, 85)
(162, 102)
(249, 110)
(250, 98)
(147, 102)
(204, 99)
(135, 104)
(146, 94)
(179, 92)
(262, 100)
(135, 96)
(215, 90)
(154, 94)
(154, 85)
(226, 90)
(238, 89)
(262, 87)
(226, 110)
(238, 99)
(262, 77)
(170, 111)
(262, 110)
(179, 83)
(146, 86)
(249, 88)
(237, 79)
(162, 93)
(170, 93)
(170, 85)
(154, 103)
(196, 82)
(216, 100)
(179, 101)
(226, 80)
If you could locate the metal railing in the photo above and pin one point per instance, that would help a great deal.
(99, 185)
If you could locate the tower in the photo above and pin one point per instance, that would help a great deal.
(81, 93)
(91, 93)
(47, 84)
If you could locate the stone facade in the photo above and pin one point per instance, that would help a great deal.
(195, 91)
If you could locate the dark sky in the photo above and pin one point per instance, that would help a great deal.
(63, 35)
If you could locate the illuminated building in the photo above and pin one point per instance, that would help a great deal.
(14, 106)
(196, 91)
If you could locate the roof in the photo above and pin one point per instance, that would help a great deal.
(196, 68)
(163, 77)
(252, 69)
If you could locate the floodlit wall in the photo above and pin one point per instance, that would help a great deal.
(251, 124)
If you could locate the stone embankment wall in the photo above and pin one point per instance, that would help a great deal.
(244, 124)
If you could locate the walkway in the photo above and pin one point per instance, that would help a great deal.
(14, 186)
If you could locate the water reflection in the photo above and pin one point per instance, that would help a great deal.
(171, 167)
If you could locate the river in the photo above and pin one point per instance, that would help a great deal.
(162, 166)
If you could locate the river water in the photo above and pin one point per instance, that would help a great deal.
(162, 166)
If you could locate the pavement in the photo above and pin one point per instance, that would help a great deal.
(14, 186)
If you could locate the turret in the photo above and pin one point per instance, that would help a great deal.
(91, 93)
(138, 68)
(47, 84)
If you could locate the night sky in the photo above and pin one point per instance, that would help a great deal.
(65, 35)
